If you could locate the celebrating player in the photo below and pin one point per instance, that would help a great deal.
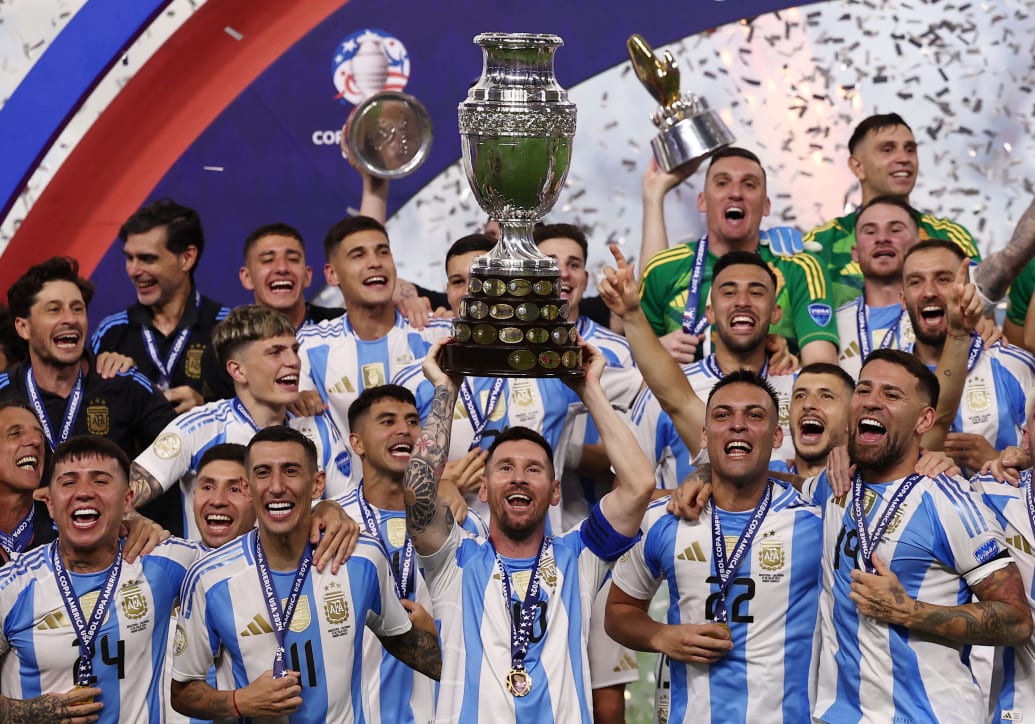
(515, 642)
(310, 669)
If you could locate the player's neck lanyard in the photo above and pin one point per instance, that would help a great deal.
(479, 419)
(19, 540)
(71, 407)
(242, 412)
(165, 369)
(977, 344)
(281, 618)
(712, 365)
(862, 326)
(400, 575)
(868, 539)
(691, 324)
(726, 568)
(519, 682)
(1029, 496)
(85, 631)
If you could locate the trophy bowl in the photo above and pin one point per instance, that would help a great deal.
(388, 135)
(516, 130)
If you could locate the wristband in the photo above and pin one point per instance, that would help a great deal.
(233, 699)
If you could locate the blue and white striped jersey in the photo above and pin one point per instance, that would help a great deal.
(887, 327)
(772, 607)
(995, 394)
(395, 692)
(223, 619)
(38, 649)
(942, 541)
(1013, 678)
(339, 365)
(659, 439)
(175, 453)
(463, 578)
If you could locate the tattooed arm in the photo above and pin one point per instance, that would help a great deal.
(1001, 617)
(145, 486)
(417, 649)
(995, 274)
(264, 697)
(75, 706)
(428, 521)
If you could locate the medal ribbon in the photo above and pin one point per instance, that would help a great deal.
(691, 324)
(519, 636)
(85, 631)
(479, 421)
(281, 618)
(862, 326)
(400, 575)
(726, 568)
(71, 407)
(712, 365)
(1029, 496)
(868, 540)
(19, 540)
(165, 370)
(976, 345)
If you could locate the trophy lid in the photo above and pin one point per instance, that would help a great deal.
(518, 67)
(388, 134)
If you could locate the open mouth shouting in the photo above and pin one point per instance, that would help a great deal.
(85, 518)
(401, 451)
(742, 322)
(870, 430)
(68, 340)
(734, 212)
(218, 522)
(737, 449)
(282, 287)
(810, 430)
(519, 501)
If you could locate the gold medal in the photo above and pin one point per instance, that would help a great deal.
(519, 683)
(726, 626)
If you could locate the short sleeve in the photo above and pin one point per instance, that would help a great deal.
(969, 536)
(809, 296)
(192, 651)
(168, 457)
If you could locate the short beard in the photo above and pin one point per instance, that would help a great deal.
(883, 458)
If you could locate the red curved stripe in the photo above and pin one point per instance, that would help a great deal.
(183, 88)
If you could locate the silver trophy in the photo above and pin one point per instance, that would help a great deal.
(689, 131)
(388, 135)
(516, 130)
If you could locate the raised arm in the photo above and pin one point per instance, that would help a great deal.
(994, 275)
(634, 484)
(656, 185)
(963, 308)
(428, 521)
(663, 376)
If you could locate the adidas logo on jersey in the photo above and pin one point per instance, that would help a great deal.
(1020, 544)
(1011, 716)
(627, 663)
(256, 627)
(693, 553)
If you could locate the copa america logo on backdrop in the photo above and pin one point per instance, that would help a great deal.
(367, 62)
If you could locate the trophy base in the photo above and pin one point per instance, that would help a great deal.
(690, 140)
(513, 326)
(483, 361)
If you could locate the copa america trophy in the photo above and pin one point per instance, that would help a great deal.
(388, 135)
(516, 130)
(689, 131)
